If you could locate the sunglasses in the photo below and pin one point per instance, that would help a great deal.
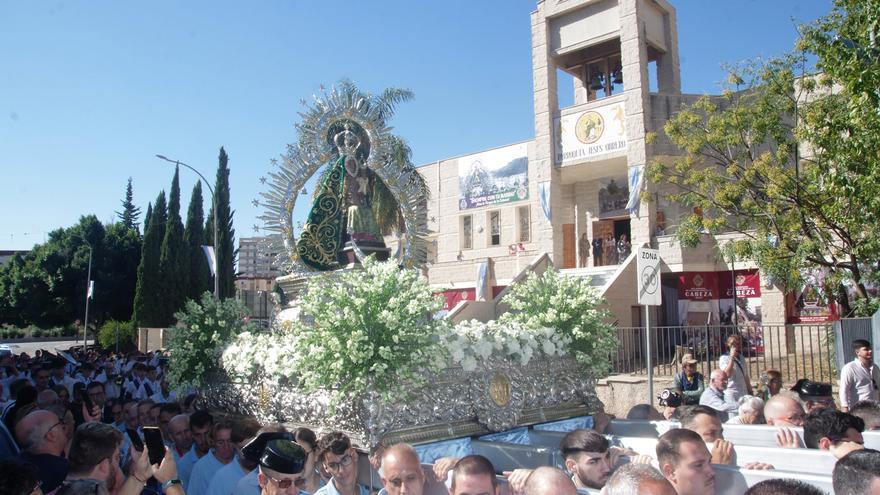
(285, 483)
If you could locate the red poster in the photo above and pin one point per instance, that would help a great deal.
(697, 286)
(453, 296)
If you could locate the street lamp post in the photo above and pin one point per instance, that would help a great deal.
(214, 203)
(88, 286)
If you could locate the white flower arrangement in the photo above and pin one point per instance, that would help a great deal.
(372, 330)
(473, 341)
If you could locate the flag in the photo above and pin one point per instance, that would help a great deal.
(636, 174)
(91, 291)
(209, 255)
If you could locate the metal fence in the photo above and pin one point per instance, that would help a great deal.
(796, 351)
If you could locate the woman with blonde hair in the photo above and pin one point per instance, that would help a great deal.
(771, 384)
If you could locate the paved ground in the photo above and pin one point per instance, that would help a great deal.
(30, 347)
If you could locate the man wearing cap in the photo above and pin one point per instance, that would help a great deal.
(859, 378)
(690, 382)
(280, 468)
(251, 454)
(814, 395)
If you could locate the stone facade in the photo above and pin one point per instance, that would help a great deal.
(615, 51)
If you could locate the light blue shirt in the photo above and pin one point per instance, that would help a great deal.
(330, 489)
(225, 479)
(185, 464)
(202, 473)
(249, 485)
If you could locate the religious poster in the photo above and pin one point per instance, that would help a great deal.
(723, 299)
(811, 304)
(613, 196)
(590, 134)
(493, 177)
(453, 296)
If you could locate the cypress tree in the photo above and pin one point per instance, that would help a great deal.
(173, 259)
(193, 237)
(130, 213)
(148, 216)
(146, 299)
(225, 245)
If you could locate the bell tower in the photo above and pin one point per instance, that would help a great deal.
(615, 51)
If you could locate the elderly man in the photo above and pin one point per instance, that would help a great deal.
(547, 480)
(715, 397)
(281, 467)
(182, 444)
(252, 452)
(43, 438)
(401, 471)
(814, 395)
(783, 410)
(685, 462)
(859, 378)
(643, 479)
(474, 475)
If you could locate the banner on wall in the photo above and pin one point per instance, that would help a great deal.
(590, 134)
(707, 298)
(493, 177)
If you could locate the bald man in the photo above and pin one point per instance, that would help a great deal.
(782, 410)
(43, 437)
(401, 471)
(549, 481)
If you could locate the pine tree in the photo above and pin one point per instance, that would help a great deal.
(174, 259)
(193, 238)
(130, 213)
(146, 300)
(225, 245)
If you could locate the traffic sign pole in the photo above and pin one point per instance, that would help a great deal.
(648, 282)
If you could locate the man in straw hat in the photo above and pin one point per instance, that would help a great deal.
(689, 381)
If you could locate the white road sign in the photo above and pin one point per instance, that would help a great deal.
(648, 267)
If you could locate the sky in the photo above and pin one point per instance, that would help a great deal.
(91, 91)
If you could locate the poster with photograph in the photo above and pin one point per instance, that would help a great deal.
(811, 304)
(493, 177)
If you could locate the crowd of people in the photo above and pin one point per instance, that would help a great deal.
(82, 423)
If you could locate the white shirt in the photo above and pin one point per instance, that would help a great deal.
(736, 381)
(225, 479)
(856, 383)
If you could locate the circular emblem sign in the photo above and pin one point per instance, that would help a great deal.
(589, 127)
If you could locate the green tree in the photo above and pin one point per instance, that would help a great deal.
(743, 167)
(130, 213)
(148, 216)
(173, 259)
(147, 312)
(116, 269)
(224, 247)
(194, 238)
